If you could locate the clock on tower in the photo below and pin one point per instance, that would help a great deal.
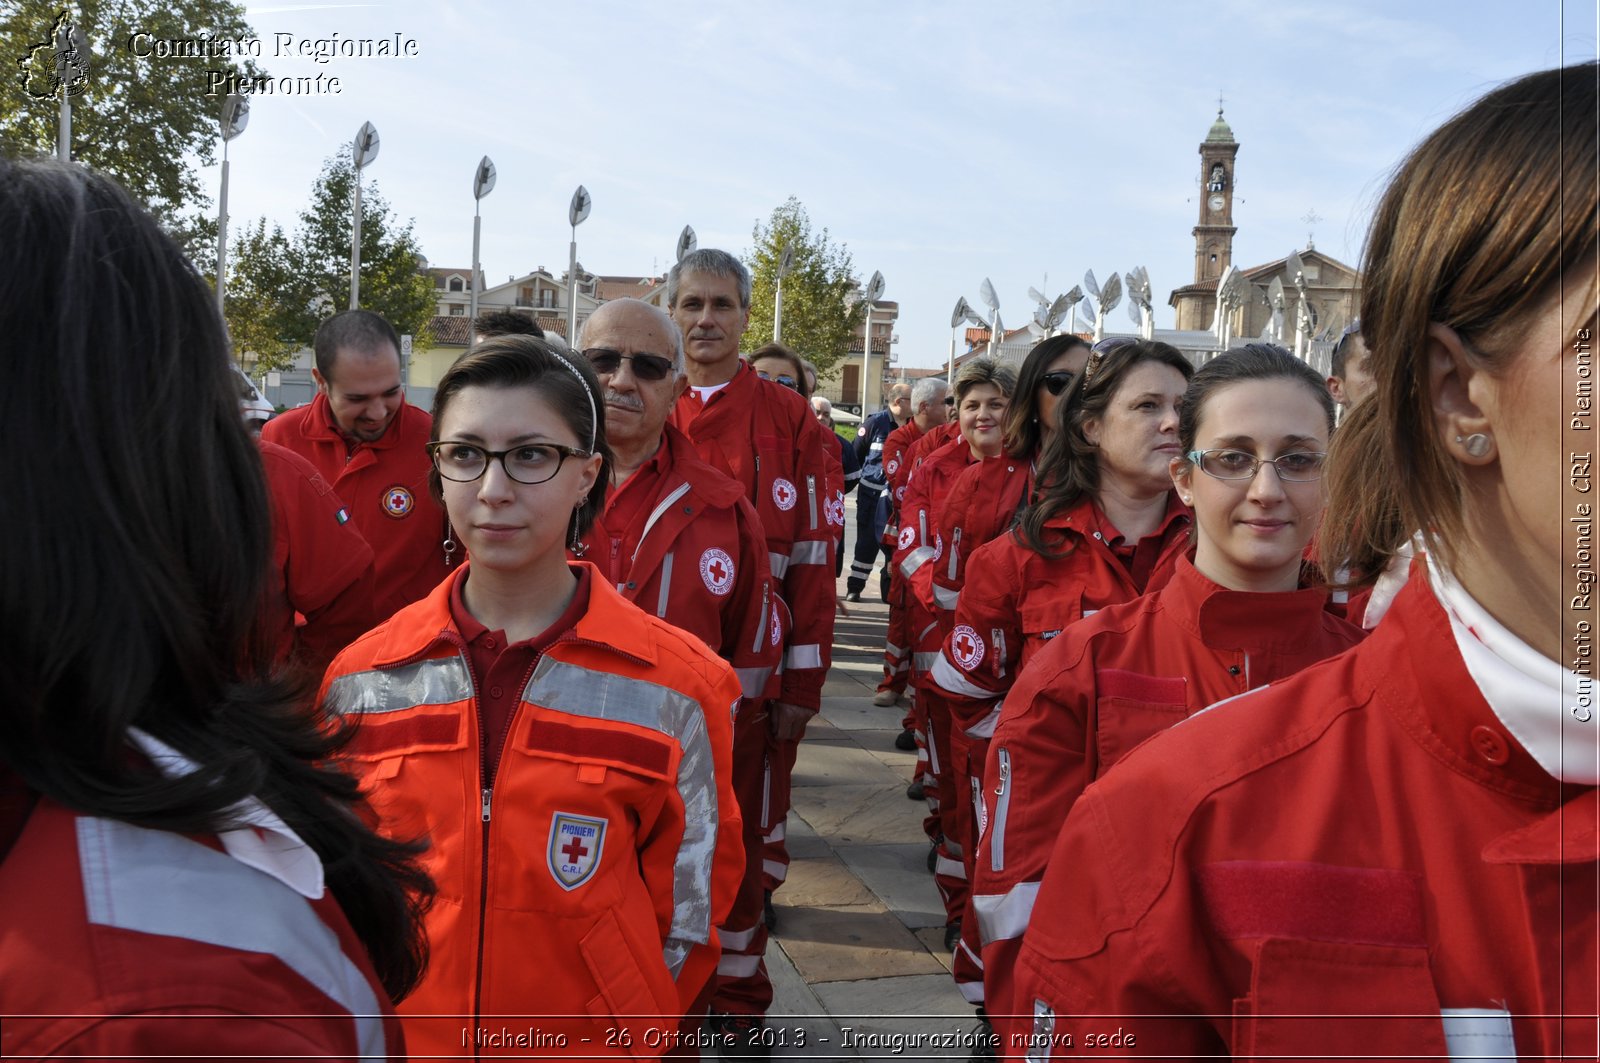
(1213, 236)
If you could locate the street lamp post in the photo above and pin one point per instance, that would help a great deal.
(365, 150)
(873, 293)
(785, 264)
(992, 301)
(577, 211)
(235, 116)
(482, 184)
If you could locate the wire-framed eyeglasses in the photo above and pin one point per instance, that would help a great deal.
(531, 463)
(1298, 466)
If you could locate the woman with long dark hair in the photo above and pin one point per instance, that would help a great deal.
(180, 873)
(568, 754)
(1393, 854)
(1246, 611)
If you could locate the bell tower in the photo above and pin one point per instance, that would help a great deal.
(1213, 236)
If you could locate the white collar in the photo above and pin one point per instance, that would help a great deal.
(262, 840)
(1529, 693)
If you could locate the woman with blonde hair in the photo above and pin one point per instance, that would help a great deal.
(1393, 854)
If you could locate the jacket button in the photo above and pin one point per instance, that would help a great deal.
(496, 692)
(632, 585)
(489, 642)
(1233, 669)
(1490, 745)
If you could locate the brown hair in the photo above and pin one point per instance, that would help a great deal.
(1477, 231)
(778, 350)
(1023, 432)
(980, 371)
(1069, 468)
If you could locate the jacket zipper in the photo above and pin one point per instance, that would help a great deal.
(997, 836)
(811, 490)
(955, 549)
(1040, 1044)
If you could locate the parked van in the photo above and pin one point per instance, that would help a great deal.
(255, 410)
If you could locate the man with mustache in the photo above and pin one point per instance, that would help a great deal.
(679, 539)
(765, 437)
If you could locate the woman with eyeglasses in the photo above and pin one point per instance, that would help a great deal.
(566, 755)
(782, 366)
(1245, 611)
(1393, 855)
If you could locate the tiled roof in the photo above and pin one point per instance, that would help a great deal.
(451, 329)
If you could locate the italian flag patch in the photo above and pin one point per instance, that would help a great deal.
(343, 516)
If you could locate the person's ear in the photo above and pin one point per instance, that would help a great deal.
(1455, 385)
(322, 384)
(1182, 472)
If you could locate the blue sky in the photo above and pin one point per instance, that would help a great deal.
(942, 142)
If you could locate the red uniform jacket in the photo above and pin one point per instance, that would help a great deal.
(385, 487)
(766, 437)
(700, 564)
(1103, 687)
(1331, 867)
(587, 884)
(1016, 600)
(919, 544)
(124, 942)
(321, 567)
(978, 508)
(905, 449)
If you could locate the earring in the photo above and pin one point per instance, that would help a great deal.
(578, 549)
(1476, 445)
(449, 544)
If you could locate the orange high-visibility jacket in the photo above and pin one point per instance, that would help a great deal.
(582, 892)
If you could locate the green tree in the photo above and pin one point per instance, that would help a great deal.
(280, 288)
(392, 282)
(819, 311)
(145, 121)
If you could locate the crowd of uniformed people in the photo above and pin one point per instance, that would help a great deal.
(1253, 709)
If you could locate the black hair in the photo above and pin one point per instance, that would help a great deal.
(567, 383)
(1069, 468)
(354, 330)
(137, 513)
(505, 323)
(1023, 433)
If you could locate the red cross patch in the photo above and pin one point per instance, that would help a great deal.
(893, 466)
(784, 494)
(716, 568)
(777, 628)
(575, 846)
(835, 510)
(397, 501)
(908, 535)
(967, 647)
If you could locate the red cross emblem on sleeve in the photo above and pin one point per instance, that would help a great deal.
(967, 647)
(716, 568)
(576, 845)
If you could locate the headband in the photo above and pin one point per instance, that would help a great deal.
(594, 413)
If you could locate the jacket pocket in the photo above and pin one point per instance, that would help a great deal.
(626, 1003)
(1130, 708)
(1048, 612)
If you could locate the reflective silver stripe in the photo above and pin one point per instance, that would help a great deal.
(950, 678)
(949, 868)
(1041, 1043)
(808, 553)
(1479, 1033)
(811, 491)
(924, 662)
(736, 940)
(1002, 809)
(778, 833)
(998, 637)
(984, 728)
(1005, 917)
(945, 597)
(753, 681)
(776, 868)
(674, 951)
(955, 552)
(736, 966)
(766, 616)
(578, 691)
(892, 650)
(655, 515)
(805, 656)
(915, 560)
(666, 586)
(779, 563)
(925, 632)
(444, 681)
(158, 882)
(953, 848)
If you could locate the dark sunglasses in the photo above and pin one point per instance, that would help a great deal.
(949, 400)
(1058, 381)
(787, 381)
(650, 367)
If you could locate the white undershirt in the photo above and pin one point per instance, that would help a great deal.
(1533, 696)
(704, 394)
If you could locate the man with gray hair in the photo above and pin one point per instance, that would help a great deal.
(765, 437)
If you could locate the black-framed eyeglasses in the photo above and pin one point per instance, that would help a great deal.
(531, 463)
(1058, 381)
(648, 367)
(1298, 467)
(786, 380)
